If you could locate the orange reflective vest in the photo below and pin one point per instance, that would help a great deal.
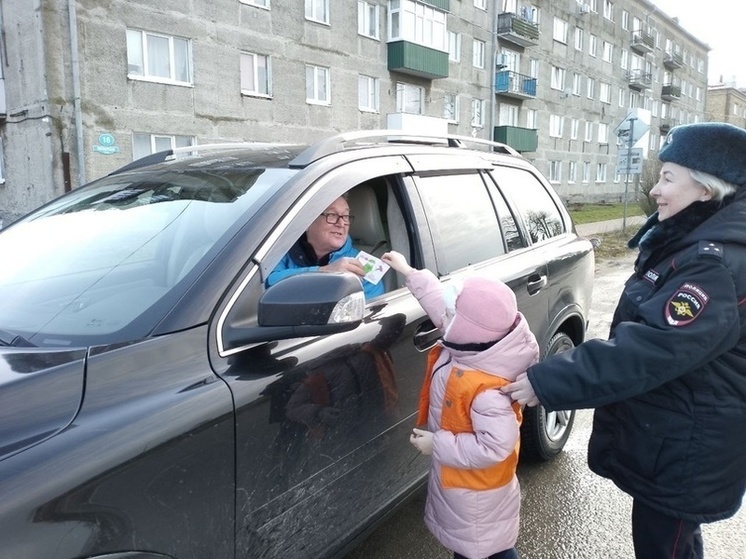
(461, 388)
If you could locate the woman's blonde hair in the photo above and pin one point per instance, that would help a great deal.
(718, 188)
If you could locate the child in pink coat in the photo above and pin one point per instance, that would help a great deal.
(470, 428)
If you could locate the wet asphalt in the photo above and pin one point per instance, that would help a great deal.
(567, 511)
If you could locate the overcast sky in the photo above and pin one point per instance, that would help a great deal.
(719, 24)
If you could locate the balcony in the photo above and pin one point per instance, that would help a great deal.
(673, 60)
(417, 60)
(517, 30)
(670, 92)
(639, 80)
(520, 139)
(642, 42)
(513, 84)
(666, 124)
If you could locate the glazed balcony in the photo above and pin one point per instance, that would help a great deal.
(670, 92)
(417, 60)
(515, 85)
(520, 139)
(666, 124)
(642, 42)
(517, 30)
(639, 80)
(673, 60)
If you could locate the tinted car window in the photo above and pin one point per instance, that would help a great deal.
(537, 208)
(511, 233)
(462, 220)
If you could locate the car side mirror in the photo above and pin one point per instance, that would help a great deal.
(307, 304)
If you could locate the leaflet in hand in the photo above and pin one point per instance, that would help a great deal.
(374, 267)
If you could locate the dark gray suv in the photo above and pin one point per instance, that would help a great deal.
(158, 400)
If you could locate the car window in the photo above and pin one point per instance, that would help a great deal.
(512, 235)
(461, 218)
(540, 214)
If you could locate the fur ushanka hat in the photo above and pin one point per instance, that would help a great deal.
(481, 310)
(715, 148)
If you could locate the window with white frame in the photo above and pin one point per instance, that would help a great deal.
(2, 163)
(559, 32)
(622, 97)
(367, 19)
(145, 144)
(558, 78)
(555, 171)
(477, 113)
(256, 74)
(161, 58)
(533, 68)
(418, 23)
(451, 107)
(368, 94)
(481, 4)
(625, 20)
(574, 127)
(454, 46)
(260, 3)
(603, 133)
(592, 44)
(588, 132)
(591, 88)
(317, 10)
(556, 124)
(653, 142)
(508, 115)
(318, 85)
(572, 171)
(609, 10)
(624, 59)
(604, 92)
(594, 5)
(608, 54)
(601, 172)
(578, 38)
(410, 98)
(577, 83)
(586, 171)
(532, 119)
(478, 54)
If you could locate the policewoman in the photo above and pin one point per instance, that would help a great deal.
(669, 386)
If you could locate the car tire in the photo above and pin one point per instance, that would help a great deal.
(543, 433)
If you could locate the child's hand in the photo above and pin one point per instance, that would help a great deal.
(398, 262)
(422, 441)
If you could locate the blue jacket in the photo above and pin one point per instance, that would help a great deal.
(669, 386)
(298, 260)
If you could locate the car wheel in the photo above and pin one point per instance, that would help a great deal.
(543, 433)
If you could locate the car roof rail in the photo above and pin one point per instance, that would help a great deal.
(152, 159)
(358, 138)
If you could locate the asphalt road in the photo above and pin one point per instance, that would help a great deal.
(567, 511)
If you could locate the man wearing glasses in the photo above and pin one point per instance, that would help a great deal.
(326, 246)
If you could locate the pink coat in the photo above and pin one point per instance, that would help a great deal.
(475, 524)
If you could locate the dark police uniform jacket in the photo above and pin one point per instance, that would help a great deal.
(669, 386)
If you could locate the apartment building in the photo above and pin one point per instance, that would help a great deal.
(726, 103)
(87, 86)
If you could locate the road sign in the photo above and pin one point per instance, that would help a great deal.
(634, 126)
(630, 161)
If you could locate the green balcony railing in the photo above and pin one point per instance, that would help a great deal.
(417, 60)
(520, 139)
(671, 92)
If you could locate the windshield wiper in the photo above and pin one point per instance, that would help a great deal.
(13, 340)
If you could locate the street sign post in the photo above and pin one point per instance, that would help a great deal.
(634, 126)
(630, 161)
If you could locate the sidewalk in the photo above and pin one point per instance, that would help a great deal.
(589, 229)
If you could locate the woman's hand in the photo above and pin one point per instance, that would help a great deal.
(351, 265)
(398, 262)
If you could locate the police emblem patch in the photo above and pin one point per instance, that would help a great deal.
(686, 304)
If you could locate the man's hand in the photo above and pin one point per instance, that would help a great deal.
(351, 265)
(422, 441)
(398, 262)
(521, 391)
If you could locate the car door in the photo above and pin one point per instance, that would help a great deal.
(322, 423)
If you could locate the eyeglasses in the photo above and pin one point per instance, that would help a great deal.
(333, 218)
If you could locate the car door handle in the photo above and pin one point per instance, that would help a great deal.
(535, 283)
(426, 336)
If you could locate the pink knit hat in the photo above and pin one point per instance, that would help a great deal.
(485, 310)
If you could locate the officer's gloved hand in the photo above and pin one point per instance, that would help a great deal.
(422, 441)
(521, 391)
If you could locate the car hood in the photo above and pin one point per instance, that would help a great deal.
(40, 394)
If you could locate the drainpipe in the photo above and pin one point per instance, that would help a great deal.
(493, 101)
(78, 114)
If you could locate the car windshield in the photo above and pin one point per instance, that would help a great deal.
(93, 266)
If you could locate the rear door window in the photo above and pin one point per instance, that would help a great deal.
(538, 209)
(462, 220)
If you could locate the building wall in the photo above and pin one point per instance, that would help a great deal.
(40, 135)
(726, 104)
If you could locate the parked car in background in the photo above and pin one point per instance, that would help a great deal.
(157, 400)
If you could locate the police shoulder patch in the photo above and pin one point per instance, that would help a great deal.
(686, 304)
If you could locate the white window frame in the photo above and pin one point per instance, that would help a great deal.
(625, 20)
(368, 20)
(451, 107)
(532, 119)
(477, 58)
(258, 3)
(600, 172)
(586, 172)
(572, 171)
(577, 83)
(592, 45)
(481, 4)
(603, 133)
(558, 78)
(417, 23)
(317, 11)
(556, 126)
(140, 40)
(262, 86)
(609, 10)
(319, 76)
(158, 142)
(368, 94)
(574, 127)
(477, 113)
(590, 88)
(588, 132)
(559, 30)
(608, 52)
(454, 46)
(555, 171)
(579, 38)
(604, 93)
(408, 96)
